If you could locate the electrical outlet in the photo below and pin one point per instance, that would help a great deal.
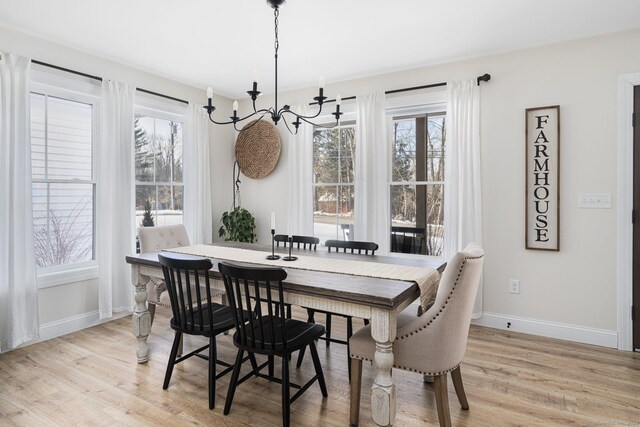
(514, 286)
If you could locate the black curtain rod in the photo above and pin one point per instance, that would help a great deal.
(482, 78)
(162, 96)
(89, 76)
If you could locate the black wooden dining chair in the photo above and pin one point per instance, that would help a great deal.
(353, 247)
(307, 242)
(268, 333)
(194, 313)
(281, 238)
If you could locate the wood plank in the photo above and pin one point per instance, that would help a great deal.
(90, 378)
(381, 293)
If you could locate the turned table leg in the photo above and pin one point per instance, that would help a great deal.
(383, 390)
(141, 318)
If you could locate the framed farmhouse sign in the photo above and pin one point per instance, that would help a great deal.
(542, 147)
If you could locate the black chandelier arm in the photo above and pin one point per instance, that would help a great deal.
(260, 111)
(247, 127)
(304, 119)
(310, 117)
(300, 116)
(288, 128)
(221, 123)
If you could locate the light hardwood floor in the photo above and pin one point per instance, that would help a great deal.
(91, 378)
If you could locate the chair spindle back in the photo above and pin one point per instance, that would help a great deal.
(183, 275)
(369, 248)
(246, 288)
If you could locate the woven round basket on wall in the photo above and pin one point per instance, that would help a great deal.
(258, 149)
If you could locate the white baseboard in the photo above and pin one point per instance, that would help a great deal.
(73, 324)
(563, 331)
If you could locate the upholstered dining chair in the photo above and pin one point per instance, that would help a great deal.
(432, 344)
(156, 239)
(353, 247)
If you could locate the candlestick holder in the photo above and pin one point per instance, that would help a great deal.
(273, 238)
(290, 258)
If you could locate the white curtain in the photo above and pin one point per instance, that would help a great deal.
(115, 199)
(197, 177)
(300, 178)
(463, 185)
(18, 284)
(372, 215)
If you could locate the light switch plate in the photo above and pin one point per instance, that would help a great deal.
(594, 200)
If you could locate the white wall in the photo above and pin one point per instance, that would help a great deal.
(77, 303)
(576, 286)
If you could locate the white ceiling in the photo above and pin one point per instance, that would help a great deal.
(219, 43)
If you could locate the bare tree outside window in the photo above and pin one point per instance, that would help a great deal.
(417, 188)
(62, 174)
(333, 177)
(158, 169)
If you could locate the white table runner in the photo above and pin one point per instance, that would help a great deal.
(427, 278)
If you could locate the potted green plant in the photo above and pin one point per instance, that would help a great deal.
(238, 225)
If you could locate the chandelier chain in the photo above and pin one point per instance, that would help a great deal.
(276, 44)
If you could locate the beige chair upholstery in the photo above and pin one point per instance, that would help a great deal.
(156, 239)
(432, 344)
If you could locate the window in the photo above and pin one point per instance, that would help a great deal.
(333, 177)
(63, 180)
(417, 187)
(158, 170)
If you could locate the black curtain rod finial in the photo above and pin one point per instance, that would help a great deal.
(484, 78)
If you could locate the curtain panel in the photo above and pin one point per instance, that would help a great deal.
(372, 215)
(18, 281)
(197, 177)
(463, 179)
(300, 178)
(115, 225)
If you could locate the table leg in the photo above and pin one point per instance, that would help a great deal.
(383, 390)
(141, 319)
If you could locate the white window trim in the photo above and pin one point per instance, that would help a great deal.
(163, 109)
(151, 106)
(69, 273)
(85, 91)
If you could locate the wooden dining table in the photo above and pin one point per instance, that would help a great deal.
(378, 300)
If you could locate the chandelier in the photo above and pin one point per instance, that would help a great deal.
(275, 113)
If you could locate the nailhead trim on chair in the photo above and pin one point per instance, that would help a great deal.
(445, 303)
(353, 356)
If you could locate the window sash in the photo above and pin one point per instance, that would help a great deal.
(340, 185)
(412, 183)
(48, 90)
